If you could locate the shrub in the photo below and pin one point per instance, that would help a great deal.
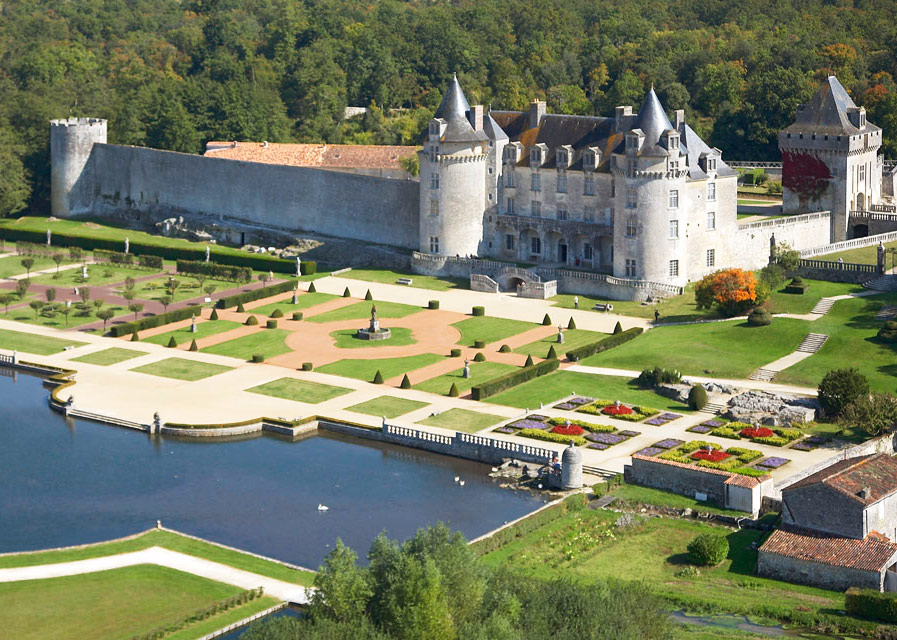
(539, 434)
(277, 313)
(271, 324)
(479, 344)
(744, 455)
(455, 353)
(552, 353)
(367, 296)
(604, 344)
(251, 321)
(888, 333)
(524, 374)
(214, 315)
(546, 321)
(731, 290)
(172, 343)
(790, 434)
(759, 317)
(216, 271)
(697, 397)
(618, 328)
(346, 293)
(297, 315)
(571, 323)
(240, 308)
(378, 377)
(135, 337)
(453, 391)
(312, 288)
(406, 382)
(152, 321)
(797, 285)
(308, 268)
(478, 311)
(866, 603)
(479, 357)
(258, 357)
(650, 378)
(773, 441)
(307, 366)
(529, 361)
(708, 550)
(840, 388)
(504, 349)
(254, 294)
(433, 304)
(194, 346)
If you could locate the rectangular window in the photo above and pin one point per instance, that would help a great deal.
(631, 228)
(509, 179)
(535, 183)
(434, 208)
(711, 191)
(586, 251)
(588, 186)
(434, 180)
(535, 157)
(631, 198)
(674, 228)
(674, 268)
(509, 241)
(536, 208)
(535, 245)
(562, 158)
(588, 161)
(562, 182)
(631, 167)
(674, 198)
(711, 220)
(434, 244)
(588, 214)
(862, 173)
(562, 213)
(711, 257)
(613, 188)
(512, 207)
(630, 268)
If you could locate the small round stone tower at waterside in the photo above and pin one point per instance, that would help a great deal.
(71, 175)
(571, 468)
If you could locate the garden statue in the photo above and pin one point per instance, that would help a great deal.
(466, 373)
(375, 324)
(560, 334)
(48, 237)
(127, 245)
(193, 324)
(84, 272)
(208, 251)
(298, 267)
(383, 423)
(295, 295)
(270, 276)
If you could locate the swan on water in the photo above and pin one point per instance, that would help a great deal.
(323, 507)
(457, 478)
(461, 483)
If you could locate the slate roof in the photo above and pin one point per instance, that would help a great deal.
(873, 553)
(454, 104)
(827, 112)
(335, 156)
(876, 472)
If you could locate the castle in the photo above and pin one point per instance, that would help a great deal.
(627, 206)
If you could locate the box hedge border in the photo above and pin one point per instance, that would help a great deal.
(524, 374)
(255, 294)
(604, 344)
(157, 320)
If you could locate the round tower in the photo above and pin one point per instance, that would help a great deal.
(71, 142)
(571, 468)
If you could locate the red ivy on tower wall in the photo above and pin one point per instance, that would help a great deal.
(804, 174)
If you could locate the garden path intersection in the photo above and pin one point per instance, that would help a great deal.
(225, 397)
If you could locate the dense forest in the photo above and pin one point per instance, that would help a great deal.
(175, 74)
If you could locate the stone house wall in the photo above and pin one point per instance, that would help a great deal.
(777, 567)
(820, 508)
(681, 480)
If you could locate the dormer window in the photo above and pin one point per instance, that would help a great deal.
(435, 129)
(632, 142)
(711, 164)
(591, 158)
(672, 139)
(512, 153)
(537, 155)
(862, 119)
(708, 161)
(564, 156)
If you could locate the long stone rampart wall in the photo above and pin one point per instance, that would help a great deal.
(750, 247)
(136, 181)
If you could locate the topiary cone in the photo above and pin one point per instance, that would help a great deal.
(135, 337)
(172, 343)
(368, 295)
(453, 392)
(346, 293)
(618, 328)
(240, 308)
(572, 323)
(378, 377)
(479, 357)
(546, 321)
(214, 315)
(406, 382)
(193, 346)
(311, 288)
(552, 354)
(529, 361)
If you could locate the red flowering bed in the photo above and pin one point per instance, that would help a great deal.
(758, 432)
(616, 410)
(713, 456)
(572, 430)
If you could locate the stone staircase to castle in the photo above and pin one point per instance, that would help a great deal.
(886, 282)
(763, 375)
(887, 312)
(812, 343)
(713, 408)
(823, 306)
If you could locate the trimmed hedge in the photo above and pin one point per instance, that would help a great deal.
(479, 344)
(759, 317)
(504, 349)
(479, 357)
(529, 524)
(406, 382)
(216, 271)
(152, 321)
(117, 257)
(251, 321)
(271, 324)
(546, 321)
(604, 344)
(307, 366)
(433, 304)
(277, 313)
(453, 391)
(297, 315)
(478, 311)
(697, 397)
(866, 603)
(455, 353)
(255, 294)
(258, 357)
(524, 374)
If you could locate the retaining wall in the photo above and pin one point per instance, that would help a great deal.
(750, 246)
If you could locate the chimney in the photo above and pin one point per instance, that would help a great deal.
(476, 117)
(621, 115)
(865, 493)
(536, 111)
(680, 119)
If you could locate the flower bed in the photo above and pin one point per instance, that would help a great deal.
(538, 416)
(573, 403)
(598, 445)
(716, 455)
(608, 439)
(538, 434)
(669, 443)
(662, 419)
(700, 428)
(528, 423)
(725, 432)
(505, 430)
(568, 430)
(757, 432)
(649, 451)
(588, 426)
(694, 445)
(675, 456)
(617, 410)
(774, 441)
(759, 470)
(810, 443)
(713, 424)
(629, 434)
(744, 455)
(773, 463)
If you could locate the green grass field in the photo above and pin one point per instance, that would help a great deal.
(727, 349)
(345, 339)
(422, 282)
(12, 265)
(388, 367)
(387, 406)
(30, 343)
(863, 255)
(184, 336)
(781, 302)
(479, 372)
(554, 386)
(76, 318)
(462, 420)
(268, 342)
(182, 369)
(631, 494)
(113, 604)
(300, 390)
(304, 301)
(112, 355)
(489, 329)
(362, 311)
(187, 288)
(97, 275)
(573, 338)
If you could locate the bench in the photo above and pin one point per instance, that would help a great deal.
(601, 306)
(404, 281)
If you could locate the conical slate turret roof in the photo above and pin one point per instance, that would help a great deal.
(454, 104)
(652, 119)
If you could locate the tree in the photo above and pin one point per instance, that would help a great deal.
(15, 179)
(84, 292)
(708, 549)
(406, 382)
(342, 589)
(875, 414)
(97, 304)
(129, 294)
(135, 308)
(130, 283)
(786, 257)
(411, 164)
(210, 289)
(105, 315)
(165, 301)
(50, 294)
(58, 258)
(720, 86)
(840, 388)
(27, 263)
(5, 300)
(22, 287)
(36, 306)
(66, 310)
(732, 290)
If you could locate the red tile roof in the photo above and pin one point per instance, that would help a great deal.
(870, 554)
(342, 156)
(733, 478)
(748, 482)
(875, 472)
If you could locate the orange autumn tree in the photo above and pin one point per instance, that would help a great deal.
(732, 290)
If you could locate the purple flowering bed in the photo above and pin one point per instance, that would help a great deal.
(700, 428)
(803, 445)
(629, 434)
(757, 467)
(528, 423)
(649, 451)
(713, 424)
(537, 416)
(573, 403)
(598, 445)
(773, 463)
(606, 438)
(504, 430)
(566, 406)
(656, 422)
(669, 443)
(669, 416)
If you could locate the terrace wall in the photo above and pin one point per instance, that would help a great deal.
(686, 481)
(826, 576)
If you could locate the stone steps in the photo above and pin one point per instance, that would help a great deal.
(887, 312)
(763, 375)
(812, 343)
(884, 283)
(597, 471)
(823, 306)
(713, 408)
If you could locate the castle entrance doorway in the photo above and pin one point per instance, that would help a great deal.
(562, 253)
(860, 230)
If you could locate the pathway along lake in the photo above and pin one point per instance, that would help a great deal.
(66, 482)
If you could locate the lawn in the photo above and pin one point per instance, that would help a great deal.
(346, 339)
(30, 343)
(387, 407)
(726, 349)
(97, 275)
(634, 495)
(422, 282)
(780, 302)
(489, 329)
(267, 342)
(203, 330)
(168, 540)
(388, 367)
(76, 318)
(12, 265)
(300, 390)
(362, 311)
(851, 327)
(863, 255)
(304, 301)
(187, 288)
(573, 338)
(479, 372)
(113, 355)
(554, 386)
(182, 369)
(462, 420)
(118, 603)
